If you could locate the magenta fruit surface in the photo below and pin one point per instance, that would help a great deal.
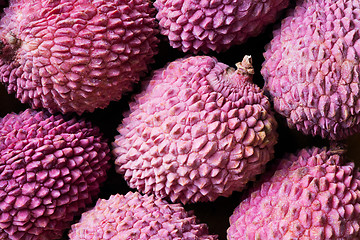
(313, 194)
(141, 217)
(198, 130)
(312, 69)
(75, 55)
(214, 25)
(50, 170)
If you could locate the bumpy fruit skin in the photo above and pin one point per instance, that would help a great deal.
(312, 69)
(311, 195)
(204, 25)
(50, 169)
(197, 131)
(136, 216)
(75, 55)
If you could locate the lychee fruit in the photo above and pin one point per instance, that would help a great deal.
(313, 194)
(311, 68)
(50, 170)
(204, 25)
(75, 55)
(136, 216)
(198, 130)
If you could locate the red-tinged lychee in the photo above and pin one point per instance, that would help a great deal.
(214, 25)
(51, 168)
(313, 194)
(75, 55)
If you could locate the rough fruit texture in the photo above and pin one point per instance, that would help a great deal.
(75, 55)
(136, 216)
(312, 69)
(203, 25)
(50, 169)
(311, 195)
(198, 130)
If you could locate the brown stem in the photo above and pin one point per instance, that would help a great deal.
(245, 67)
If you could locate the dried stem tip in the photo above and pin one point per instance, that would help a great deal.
(245, 67)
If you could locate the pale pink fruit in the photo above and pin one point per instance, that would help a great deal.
(198, 130)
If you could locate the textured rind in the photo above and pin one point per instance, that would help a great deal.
(50, 170)
(204, 25)
(311, 68)
(197, 131)
(311, 195)
(76, 55)
(136, 216)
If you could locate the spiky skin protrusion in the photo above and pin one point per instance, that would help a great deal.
(197, 131)
(311, 68)
(136, 216)
(75, 55)
(312, 195)
(50, 170)
(204, 25)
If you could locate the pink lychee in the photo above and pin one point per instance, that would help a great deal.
(75, 55)
(198, 130)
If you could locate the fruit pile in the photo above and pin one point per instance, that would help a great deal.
(179, 119)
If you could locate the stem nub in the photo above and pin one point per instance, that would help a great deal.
(245, 67)
(9, 46)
